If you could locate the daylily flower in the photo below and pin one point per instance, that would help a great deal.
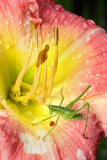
(42, 50)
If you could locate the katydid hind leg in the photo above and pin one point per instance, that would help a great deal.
(44, 120)
(78, 98)
(52, 128)
(86, 120)
(86, 104)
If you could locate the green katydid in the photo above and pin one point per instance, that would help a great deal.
(66, 112)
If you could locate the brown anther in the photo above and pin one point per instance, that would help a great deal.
(56, 35)
(42, 56)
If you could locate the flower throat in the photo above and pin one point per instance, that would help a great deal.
(23, 92)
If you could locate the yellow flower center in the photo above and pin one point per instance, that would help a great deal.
(23, 92)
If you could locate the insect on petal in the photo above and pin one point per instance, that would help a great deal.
(82, 57)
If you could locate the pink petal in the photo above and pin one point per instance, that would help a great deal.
(66, 142)
(15, 16)
(16, 13)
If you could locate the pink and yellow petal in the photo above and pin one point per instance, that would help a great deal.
(5, 79)
(65, 142)
(14, 26)
(74, 32)
(94, 72)
(15, 14)
(76, 42)
(26, 115)
(81, 47)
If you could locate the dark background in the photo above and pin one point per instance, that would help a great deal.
(89, 9)
(96, 10)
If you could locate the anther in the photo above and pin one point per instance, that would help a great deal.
(42, 56)
(56, 35)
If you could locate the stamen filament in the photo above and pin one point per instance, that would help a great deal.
(51, 80)
(26, 86)
(55, 64)
(16, 87)
(36, 80)
(56, 39)
(56, 59)
(45, 76)
(21, 74)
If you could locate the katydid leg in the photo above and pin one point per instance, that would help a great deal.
(86, 104)
(62, 98)
(44, 120)
(78, 98)
(52, 128)
(86, 120)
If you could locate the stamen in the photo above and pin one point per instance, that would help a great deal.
(56, 39)
(41, 59)
(36, 80)
(56, 35)
(18, 83)
(35, 92)
(42, 56)
(26, 86)
(55, 64)
(45, 76)
(33, 33)
(51, 80)
(40, 34)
